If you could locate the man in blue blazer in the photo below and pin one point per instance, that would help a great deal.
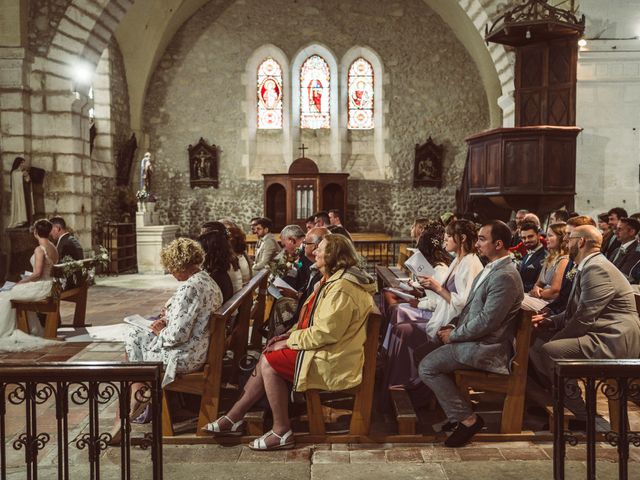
(531, 264)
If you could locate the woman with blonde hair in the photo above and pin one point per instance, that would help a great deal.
(325, 350)
(180, 336)
(550, 279)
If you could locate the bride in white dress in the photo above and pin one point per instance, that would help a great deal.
(33, 288)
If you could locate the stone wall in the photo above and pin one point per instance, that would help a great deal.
(44, 16)
(431, 86)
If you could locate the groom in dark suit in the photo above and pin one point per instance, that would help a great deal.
(66, 243)
(483, 335)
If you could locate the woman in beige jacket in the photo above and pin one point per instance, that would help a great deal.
(325, 350)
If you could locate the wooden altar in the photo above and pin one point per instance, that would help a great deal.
(290, 198)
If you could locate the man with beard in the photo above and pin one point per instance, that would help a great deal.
(531, 264)
(600, 321)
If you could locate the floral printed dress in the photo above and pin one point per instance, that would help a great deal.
(182, 345)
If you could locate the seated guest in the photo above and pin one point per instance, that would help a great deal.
(559, 216)
(531, 263)
(430, 245)
(519, 218)
(417, 228)
(483, 335)
(336, 222)
(339, 230)
(180, 337)
(550, 279)
(521, 248)
(321, 219)
(66, 244)
(325, 351)
(217, 260)
(615, 214)
(560, 303)
(238, 242)
(415, 326)
(310, 223)
(603, 226)
(627, 254)
(308, 276)
(269, 247)
(600, 321)
(291, 237)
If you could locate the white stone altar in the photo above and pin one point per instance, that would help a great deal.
(150, 240)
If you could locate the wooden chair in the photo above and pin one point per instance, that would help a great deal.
(207, 383)
(512, 385)
(363, 401)
(50, 306)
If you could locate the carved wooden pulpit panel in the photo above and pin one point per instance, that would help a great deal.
(203, 164)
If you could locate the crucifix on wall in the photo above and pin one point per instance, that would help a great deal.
(303, 148)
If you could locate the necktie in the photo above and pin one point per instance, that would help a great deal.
(619, 254)
(570, 303)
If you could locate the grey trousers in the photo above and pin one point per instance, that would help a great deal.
(436, 371)
(542, 355)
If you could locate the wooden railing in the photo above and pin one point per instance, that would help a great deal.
(619, 381)
(89, 385)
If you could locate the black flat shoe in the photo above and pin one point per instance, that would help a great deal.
(463, 434)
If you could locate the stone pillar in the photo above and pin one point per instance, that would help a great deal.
(149, 242)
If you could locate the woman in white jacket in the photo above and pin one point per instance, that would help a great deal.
(415, 325)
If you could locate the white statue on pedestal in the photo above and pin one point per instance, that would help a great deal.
(19, 175)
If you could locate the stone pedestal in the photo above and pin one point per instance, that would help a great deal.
(150, 240)
(146, 219)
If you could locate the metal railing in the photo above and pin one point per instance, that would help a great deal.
(619, 381)
(90, 385)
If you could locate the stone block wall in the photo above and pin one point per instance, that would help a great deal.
(431, 85)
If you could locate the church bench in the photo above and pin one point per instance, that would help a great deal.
(512, 385)
(363, 393)
(207, 382)
(405, 414)
(259, 312)
(50, 306)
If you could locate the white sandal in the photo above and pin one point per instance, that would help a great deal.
(261, 444)
(237, 428)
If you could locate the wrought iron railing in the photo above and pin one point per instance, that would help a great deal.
(90, 385)
(619, 381)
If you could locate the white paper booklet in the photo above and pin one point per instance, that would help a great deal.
(7, 286)
(532, 303)
(280, 283)
(419, 266)
(401, 294)
(138, 321)
(274, 292)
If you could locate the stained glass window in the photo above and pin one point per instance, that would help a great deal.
(315, 79)
(269, 95)
(360, 95)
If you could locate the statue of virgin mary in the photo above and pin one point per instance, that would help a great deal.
(19, 175)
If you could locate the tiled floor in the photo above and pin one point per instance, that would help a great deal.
(115, 297)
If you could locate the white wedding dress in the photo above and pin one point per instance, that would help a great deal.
(12, 339)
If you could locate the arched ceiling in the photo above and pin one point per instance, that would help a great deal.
(149, 26)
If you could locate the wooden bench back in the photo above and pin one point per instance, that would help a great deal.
(241, 303)
(523, 339)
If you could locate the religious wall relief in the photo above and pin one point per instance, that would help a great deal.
(427, 170)
(203, 164)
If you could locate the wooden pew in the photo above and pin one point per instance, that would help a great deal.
(512, 385)
(50, 306)
(363, 401)
(207, 382)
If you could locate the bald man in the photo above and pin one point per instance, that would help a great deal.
(600, 320)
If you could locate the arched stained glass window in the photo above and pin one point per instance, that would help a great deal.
(315, 99)
(269, 95)
(360, 82)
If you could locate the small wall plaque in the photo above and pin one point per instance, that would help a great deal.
(203, 164)
(427, 169)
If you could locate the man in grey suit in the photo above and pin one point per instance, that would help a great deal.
(483, 335)
(600, 320)
(269, 247)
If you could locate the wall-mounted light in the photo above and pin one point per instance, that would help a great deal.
(82, 75)
(527, 35)
(582, 42)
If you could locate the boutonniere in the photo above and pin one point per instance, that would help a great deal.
(572, 273)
